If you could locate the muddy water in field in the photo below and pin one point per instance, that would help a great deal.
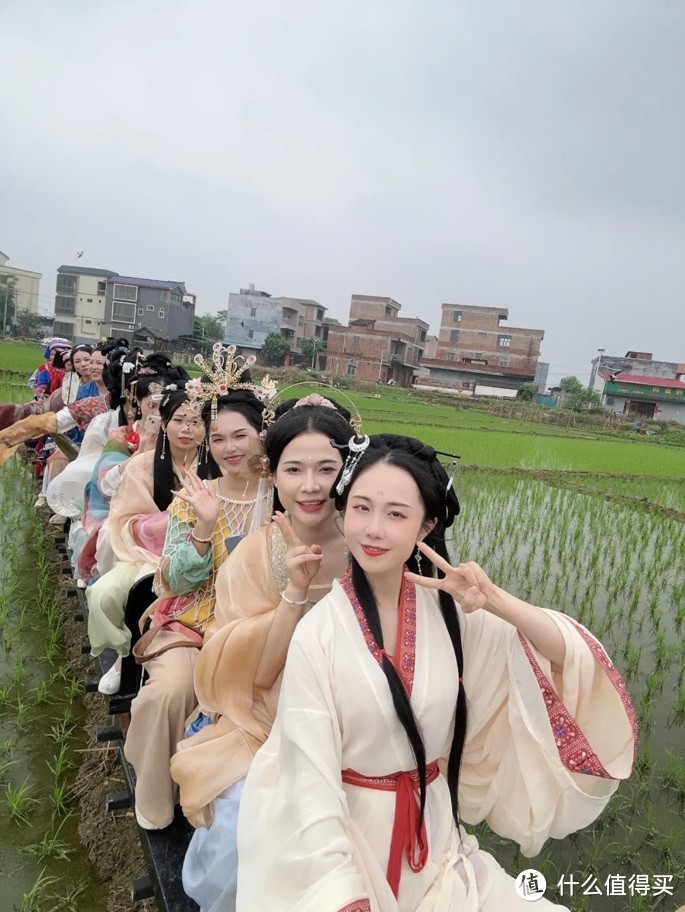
(40, 727)
(620, 571)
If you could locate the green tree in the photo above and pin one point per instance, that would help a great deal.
(311, 348)
(8, 299)
(29, 324)
(209, 327)
(274, 350)
(527, 392)
(578, 397)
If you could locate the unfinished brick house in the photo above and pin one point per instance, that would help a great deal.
(377, 345)
(475, 350)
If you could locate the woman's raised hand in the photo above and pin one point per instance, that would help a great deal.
(201, 498)
(468, 583)
(302, 561)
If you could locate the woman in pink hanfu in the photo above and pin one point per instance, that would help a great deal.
(413, 703)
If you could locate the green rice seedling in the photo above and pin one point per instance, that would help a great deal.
(19, 801)
(24, 618)
(8, 635)
(61, 731)
(5, 696)
(21, 711)
(17, 676)
(41, 695)
(644, 765)
(50, 846)
(68, 901)
(61, 762)
(59, 796)
(6, 764)
(674, 775)
(7, 747)
(33, 900)
(74, 688)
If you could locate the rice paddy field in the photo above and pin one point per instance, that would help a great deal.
(581, 521)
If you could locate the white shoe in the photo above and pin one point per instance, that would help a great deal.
(110, 682)
(57, 520)
(41, 501)
(81, 584)
(145, 824)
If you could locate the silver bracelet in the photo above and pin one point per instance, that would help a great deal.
(289, 601)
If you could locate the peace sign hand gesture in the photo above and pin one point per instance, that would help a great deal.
(468, 583)
(301, 561)
(201, 498)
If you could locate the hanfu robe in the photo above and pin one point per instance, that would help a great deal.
(541, 758)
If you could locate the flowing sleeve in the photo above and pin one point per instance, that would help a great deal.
(66, 494)
(293, 796)
(181, 570)
(137, 526)
(246, 596)
(543, 751)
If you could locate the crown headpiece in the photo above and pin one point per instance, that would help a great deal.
(269, 414)
(221, 375)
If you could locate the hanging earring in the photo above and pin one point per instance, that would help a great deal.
(417, 558)
(163, 443)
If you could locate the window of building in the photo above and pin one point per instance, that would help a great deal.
(250, 334)
(355, 340)
(161, 313)
(454, 335)
(300, 321)
(351, 369)
(87, 322)
(478, 356)
(451, 356)
(125, 292)
(466, 385)
(101, 287)
(504, 341)
(89, 300)
(66, 330)
(503, 362)
(65, 305)
(150, 307)
(388, 311)
(422, 335)
(123, 312)
(610, 399)
(253, 311)
(456, 316)
(140, 311)
(319, 315)
(66, 284)
(481, 334)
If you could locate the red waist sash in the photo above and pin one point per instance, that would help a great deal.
(406, 840)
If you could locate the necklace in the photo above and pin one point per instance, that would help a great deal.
(243, 495)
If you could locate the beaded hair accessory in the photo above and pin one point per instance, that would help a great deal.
(224, 373)
(356, 447)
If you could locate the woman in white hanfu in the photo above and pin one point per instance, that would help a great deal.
(352, 803)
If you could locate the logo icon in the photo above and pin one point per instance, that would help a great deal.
(531, 885)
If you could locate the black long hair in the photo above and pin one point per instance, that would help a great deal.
(242, 401)
(164, 479)
(442, 506)
(291, 422)
(83, 347)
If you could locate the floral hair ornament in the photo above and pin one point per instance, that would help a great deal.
(224, 373)
(356, 447)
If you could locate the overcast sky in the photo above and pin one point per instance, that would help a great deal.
(526, 154)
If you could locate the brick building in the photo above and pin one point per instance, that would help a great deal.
(475, 349)
(377, 344)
